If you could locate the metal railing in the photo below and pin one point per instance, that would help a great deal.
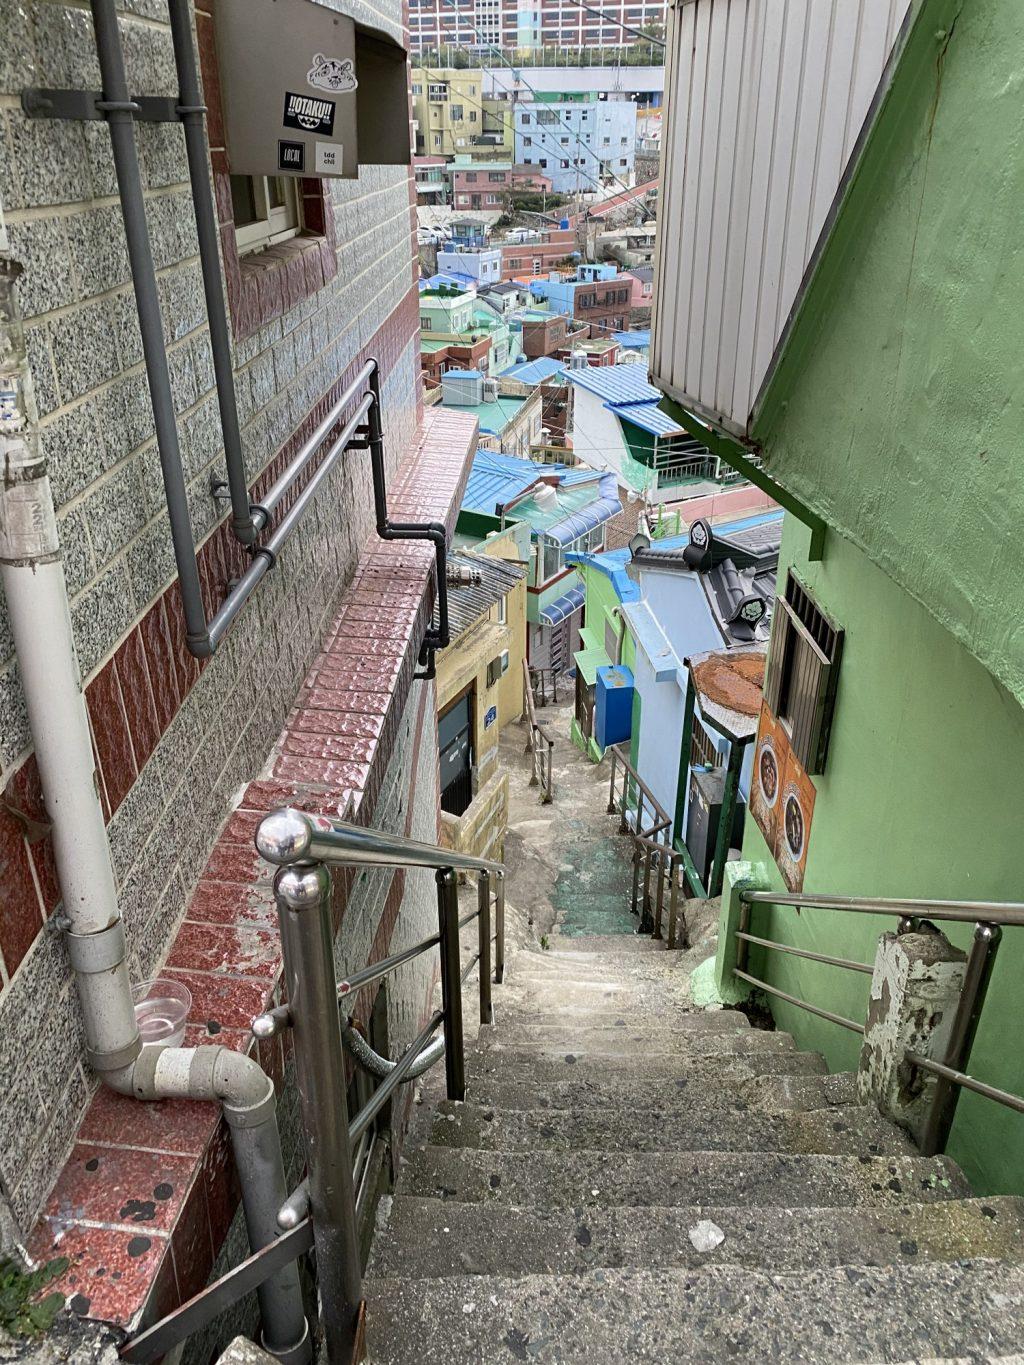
(322, 1214)
(539, 744)
(648, 825)
(541, 681)
(989, 919)
(664, 867)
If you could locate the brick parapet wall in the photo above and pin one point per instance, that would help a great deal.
(174, 740)
(149, 1189)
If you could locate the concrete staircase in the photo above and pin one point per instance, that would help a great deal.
(631, 1181)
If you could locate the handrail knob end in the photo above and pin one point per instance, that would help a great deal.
(284, 836)
(302, 888)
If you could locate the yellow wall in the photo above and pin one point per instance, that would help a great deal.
(464, 88)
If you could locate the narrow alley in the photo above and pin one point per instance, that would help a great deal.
(567, 867)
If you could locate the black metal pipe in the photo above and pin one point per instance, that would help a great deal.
(451, 985)
(433, 531)
(393, 1080)
(191, 112)
(119, 110)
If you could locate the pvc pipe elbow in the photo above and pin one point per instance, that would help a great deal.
(216, 1074)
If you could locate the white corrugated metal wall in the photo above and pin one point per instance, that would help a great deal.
(765, 101)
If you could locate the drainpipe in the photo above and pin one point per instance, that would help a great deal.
(32, 575)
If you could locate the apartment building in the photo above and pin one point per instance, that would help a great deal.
(583, 141)
(525, 24)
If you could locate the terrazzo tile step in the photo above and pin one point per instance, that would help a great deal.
(710, 1067)
(586, 1179)
(839, 1315)
(657, 1039)
(853, 1129)
(431, 1238)
(762, 1094)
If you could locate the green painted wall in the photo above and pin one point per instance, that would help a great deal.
(921, 797)
(898, 410)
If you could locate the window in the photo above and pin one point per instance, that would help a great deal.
(802, 673)
(417, 89)
(543, 163)
(266, 210)
(527, 142)
(503, 611)
(437, 139)
(497, 668)
(472, 116)
(565, 165)
(471, 177)
(495, 177)
(424, 322)
(606, 142)
(552, 561)
(526, 119)
(456, 113)
(437, 93)
(565, 142)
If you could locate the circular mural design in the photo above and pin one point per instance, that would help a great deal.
(768, 773)
(796, 828)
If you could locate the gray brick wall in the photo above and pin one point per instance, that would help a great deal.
(60, 207)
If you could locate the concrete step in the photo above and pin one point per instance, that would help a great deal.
(611, 945)
(707, 1068)
(584, 1179)
(835, 1316)
(657, 1040)
(764, 1094)
(853, 1129)
(578, 967)
(425, 1237)
(514, 999)
(636, 1026)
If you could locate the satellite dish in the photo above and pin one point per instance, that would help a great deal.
(638, 543)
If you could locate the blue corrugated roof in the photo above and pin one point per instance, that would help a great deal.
(567, 605)
(612, 563)
(648, 416)
(592, 514)
(536, 371)
(633, 340)
(496, 478)
(617, 384)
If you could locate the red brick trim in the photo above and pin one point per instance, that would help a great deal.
(262, 287)
(149, 1190)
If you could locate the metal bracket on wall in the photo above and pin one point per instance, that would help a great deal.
(739, 459)
(40, 102)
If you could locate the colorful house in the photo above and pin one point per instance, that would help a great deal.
(886, 406)
(567, 511)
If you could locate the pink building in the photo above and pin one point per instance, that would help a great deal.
(488, 184)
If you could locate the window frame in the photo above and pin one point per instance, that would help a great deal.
(272, 225)
(802, 672)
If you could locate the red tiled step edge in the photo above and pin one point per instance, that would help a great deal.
(146, 1198)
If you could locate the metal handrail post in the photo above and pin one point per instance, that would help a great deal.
(742, 947)
(659, 905)
(612, 807)
(551, 773)
(499, 929)
(303, 895)
(646, 923)
(483, 900)
(673, 903)
(451, 982)
(635, 891)
(961, 1039)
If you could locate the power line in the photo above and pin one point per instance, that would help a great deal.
(505, 62)
(610, 19)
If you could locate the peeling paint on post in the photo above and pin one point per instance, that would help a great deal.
(914, 992)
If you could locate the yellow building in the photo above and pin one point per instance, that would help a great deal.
(452, 116)
(480, 690)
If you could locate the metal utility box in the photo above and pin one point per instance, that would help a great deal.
(703, 816)
(289, 82)
(613, 705)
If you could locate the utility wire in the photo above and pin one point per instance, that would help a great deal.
(610, 19)
(522, 80)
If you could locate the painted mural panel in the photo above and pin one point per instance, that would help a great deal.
(781, 799)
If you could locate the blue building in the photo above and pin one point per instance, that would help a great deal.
(583, 141)
(711, 590)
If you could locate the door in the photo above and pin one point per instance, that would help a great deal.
(584, 705)
(455, 742)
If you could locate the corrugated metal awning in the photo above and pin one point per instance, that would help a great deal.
(468, 604)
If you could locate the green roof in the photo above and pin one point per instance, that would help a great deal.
(495, 417)
(431, 346)
(588, 661)
(569, 500)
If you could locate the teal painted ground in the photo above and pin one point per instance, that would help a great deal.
(592, 889)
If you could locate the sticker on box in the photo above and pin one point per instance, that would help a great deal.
(328, 158)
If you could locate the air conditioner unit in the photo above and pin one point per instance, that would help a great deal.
(490, 391)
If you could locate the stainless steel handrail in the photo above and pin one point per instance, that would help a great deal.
(292, 836)
(988, 917)
(959, 912)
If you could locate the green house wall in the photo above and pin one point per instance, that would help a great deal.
(897, 413)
